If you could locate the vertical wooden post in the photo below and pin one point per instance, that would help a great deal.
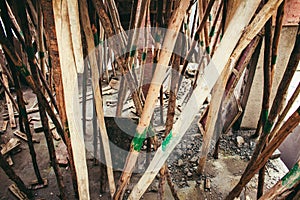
(57, 77)
(85, 21)
(70, 90)
(9, 102)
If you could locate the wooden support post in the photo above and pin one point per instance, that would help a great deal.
(84, 89)
(263, 158)
(222, 55)
(51, 148)
(286, 183)
(97, 94)
(14, 177)
(285, 111)
(70, 90)
(215, 103)
(4, 85)
(277, 33)
(213, 28)
(57, 77)
(275, 109)
(169, 43)
(22, 107)
(161, 104)
(196, 39)
(206, 23)
(171, 111)
(95, 132)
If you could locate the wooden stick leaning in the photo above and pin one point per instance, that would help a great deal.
(275, 109)
(285, 184)
(21, 102)
(14, 177)
(49, 24)
(263, 158)
(222, 55)
(118, 51)
(165, 55)
(285, 111)
(85, 21)
(70, 91)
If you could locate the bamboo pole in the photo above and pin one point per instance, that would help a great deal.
(263, 158)
(47, 9)
(97, 95)
(169, 43)
(275, 109)
(14, 177)
(229, 41)
(286, 183)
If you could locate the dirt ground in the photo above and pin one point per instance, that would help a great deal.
(223, 173)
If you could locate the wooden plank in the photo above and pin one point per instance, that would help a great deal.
(24, 137)
(231, 37)
(10, 145)
(73, 11)
(231, 113)
(70, 83)
(9, 161)
(9, 103)
(15, 190)
(3, 126)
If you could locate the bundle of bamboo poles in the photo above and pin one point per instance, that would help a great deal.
(75, 36)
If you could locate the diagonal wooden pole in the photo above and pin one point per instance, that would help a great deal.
(49, 25)
(263, 158)
(85, 22)
(216, 66)
(275, 109)
(286, 183)
(70, 90)
(14, 177)
(141, 130)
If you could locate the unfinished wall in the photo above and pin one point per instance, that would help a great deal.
(253, 107)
